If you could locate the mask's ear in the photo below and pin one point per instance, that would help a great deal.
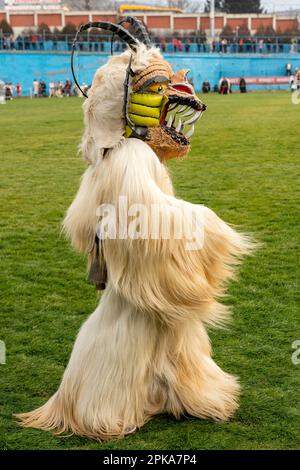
(180, 76)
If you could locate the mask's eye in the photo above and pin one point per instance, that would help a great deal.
(157, 87)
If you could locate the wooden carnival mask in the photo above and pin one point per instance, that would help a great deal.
(163, 109)
(160, 106)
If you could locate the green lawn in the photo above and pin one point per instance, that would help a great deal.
(245, 166)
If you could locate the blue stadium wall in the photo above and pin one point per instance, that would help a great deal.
(23, 67)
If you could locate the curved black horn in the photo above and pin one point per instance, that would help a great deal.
(139, 29)
(114, 28)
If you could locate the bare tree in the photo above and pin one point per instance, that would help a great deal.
(185, 5)
(236, 6)
(218, 5)
(91, 4)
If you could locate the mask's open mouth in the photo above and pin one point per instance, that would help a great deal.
(179, 116)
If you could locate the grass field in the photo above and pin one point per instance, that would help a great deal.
(245, 166)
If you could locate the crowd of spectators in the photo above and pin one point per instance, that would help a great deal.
(22, 42)
(54, 89)
(246, 44)
(40, 89)
(223, 87)
(59, 89)
(252, 44)
(8, 90)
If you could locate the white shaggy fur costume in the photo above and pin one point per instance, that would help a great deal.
(145, 349)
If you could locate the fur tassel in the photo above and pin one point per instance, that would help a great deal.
(97, 271)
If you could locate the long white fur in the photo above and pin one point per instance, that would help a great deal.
(145, 349)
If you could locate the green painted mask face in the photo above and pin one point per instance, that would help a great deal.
(163, 109)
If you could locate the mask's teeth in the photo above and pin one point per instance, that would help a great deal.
(170, 121)
(172, 106)
(181, 109)
(190, 132)
(178, 128)
(194, 118)
(191, 111)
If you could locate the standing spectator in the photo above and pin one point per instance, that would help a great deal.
(41, 42)
(222, 45)
(175, 44)
(241, 45)
(58, 92)
(6, 43)
(27, 42)
(8, 91)
(249, 44)
(260, 46)
(35, 88)
(19, 42)
(206, 87)
(243, 85)
(213, 46)
(70, 42)
(269, 44)
(18, 89)
(288, 69)
(187, 45)
(59, 89)
(234, 46)
(163, 45)
(54, 42)
(42, 89)
(11, 42)
(51, 89)
(68, 88)
(224, 86)
(293, 49)
(34, 41)
(179, 46)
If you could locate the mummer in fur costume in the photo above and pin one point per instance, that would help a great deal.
(163, 263)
